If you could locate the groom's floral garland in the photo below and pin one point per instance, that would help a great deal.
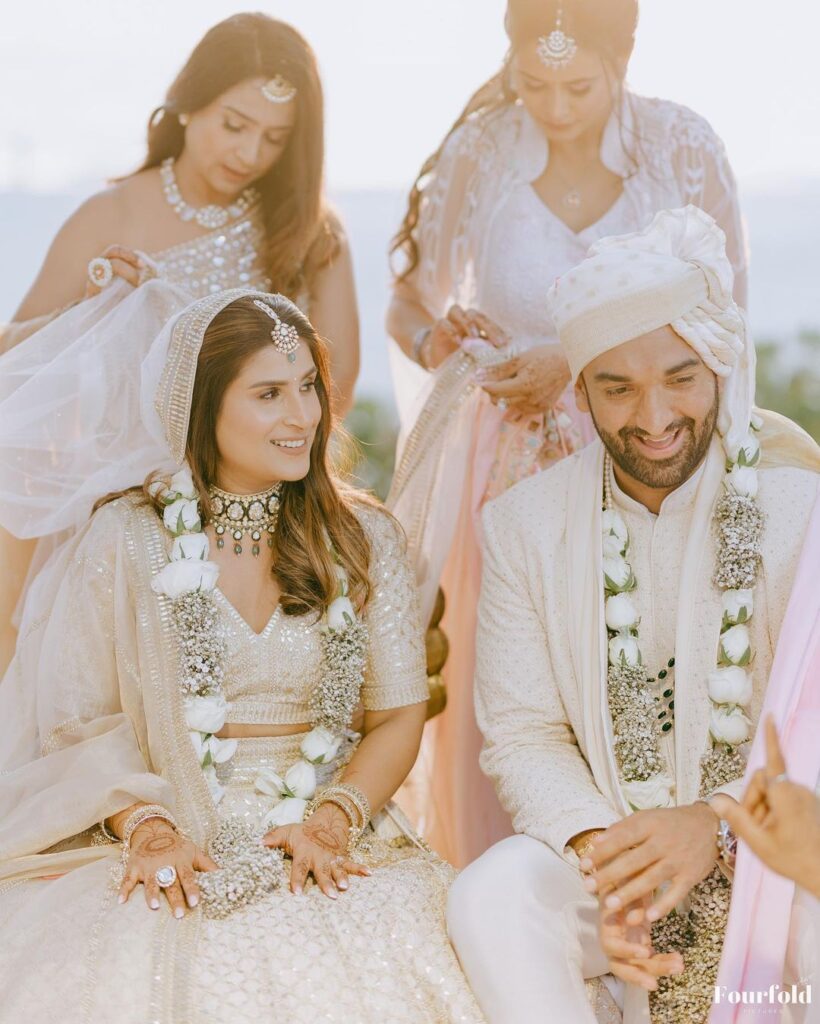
(188, 580)
(738, 522)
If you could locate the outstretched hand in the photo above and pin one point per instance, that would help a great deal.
(318, 847)
(778, 819)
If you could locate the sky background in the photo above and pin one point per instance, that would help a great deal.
(79, 79)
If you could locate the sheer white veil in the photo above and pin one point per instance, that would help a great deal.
(72, 422)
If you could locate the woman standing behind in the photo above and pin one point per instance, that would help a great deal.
(230, 194)
(553, 153)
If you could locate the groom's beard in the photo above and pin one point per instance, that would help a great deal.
(663, 474)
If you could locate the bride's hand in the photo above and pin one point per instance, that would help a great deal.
(154, 845)
(530, 383)
(318, 847)
(131, 266)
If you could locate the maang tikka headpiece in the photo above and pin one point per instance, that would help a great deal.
(278, 90)
(557, 49)
(285, 336)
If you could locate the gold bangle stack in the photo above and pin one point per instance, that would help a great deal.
(352, 802)
(142, 814)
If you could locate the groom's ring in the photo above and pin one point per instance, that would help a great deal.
(166, 876)
(100, 272)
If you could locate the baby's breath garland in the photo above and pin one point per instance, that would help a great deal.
(738, 522)
(188, 581)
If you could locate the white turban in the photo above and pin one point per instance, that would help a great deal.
(674, 272)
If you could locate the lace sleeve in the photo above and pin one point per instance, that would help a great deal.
(705, 176)
(442, 233)
(396, 672)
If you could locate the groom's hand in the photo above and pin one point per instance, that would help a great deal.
(631, 859)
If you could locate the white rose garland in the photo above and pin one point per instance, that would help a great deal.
(645, 784)
(188, 581)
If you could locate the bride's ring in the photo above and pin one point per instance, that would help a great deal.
(100, 272)
(782, 777)
(482, 333)
(502, 404)
(166, 876)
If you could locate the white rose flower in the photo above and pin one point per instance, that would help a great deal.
(267, 781)
(217, 790)
(756, 421)
(180, 515)
(289, 811)
(340, 613)
(729, 725)
(191, 546)
(626, 646)
(731, 685)
(617, 571)
(611, 522)
(183, 483)
(611, 546)
(654, 792)
(198, 740)
(184, 577)
(738, 605)
(320, 745)
(206, 714)
(620, 612)
(736, 645)
(300, 779)
(743, 480)
(221, 750)
(749, 446)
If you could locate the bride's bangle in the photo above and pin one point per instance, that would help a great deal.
(419, 341)
(142, 814)
(352, 802)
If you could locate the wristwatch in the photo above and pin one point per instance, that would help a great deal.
(726, 844)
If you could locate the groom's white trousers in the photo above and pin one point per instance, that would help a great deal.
(526, 933)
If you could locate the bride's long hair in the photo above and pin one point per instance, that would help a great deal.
(311, 509)
(301, 232)
(606, 26)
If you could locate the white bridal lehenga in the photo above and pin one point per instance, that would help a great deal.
(110, 714)
(99, 721)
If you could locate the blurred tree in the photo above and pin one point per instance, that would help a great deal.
(373, 428)
(788, 381)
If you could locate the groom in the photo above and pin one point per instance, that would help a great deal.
(631, 603)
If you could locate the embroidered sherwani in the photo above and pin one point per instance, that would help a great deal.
(541, 696)
(94, 690)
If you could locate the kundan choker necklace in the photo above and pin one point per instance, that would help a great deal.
(211, 216)
(238, 514)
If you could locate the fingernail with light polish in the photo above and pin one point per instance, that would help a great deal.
(121, 898)
(586, 864)
(155, 904)
(613, 903)
(590, 885)
(179, 912)
(192, 901)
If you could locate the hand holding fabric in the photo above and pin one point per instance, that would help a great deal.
(530, 383)
(639, 854)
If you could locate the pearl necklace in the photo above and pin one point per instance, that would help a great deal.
(238, 514)
(211, 216)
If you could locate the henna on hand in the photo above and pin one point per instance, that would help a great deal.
(330, 835)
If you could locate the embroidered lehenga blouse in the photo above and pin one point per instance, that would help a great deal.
(94, 689)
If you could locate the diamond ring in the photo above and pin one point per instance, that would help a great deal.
(166, 876)
(100, 272)
(502, 404)
(782, 777)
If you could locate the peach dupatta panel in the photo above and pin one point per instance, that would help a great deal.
(462, 452)
(757, 936)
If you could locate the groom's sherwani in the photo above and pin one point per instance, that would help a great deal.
(541, 676)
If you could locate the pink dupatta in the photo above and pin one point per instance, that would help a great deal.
(759, 918)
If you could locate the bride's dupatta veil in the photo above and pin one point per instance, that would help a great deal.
(96, 695)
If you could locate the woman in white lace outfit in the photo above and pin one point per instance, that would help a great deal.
(187, 676)
(553, 153)
(229, 194)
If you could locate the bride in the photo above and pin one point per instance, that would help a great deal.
(190, 829)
